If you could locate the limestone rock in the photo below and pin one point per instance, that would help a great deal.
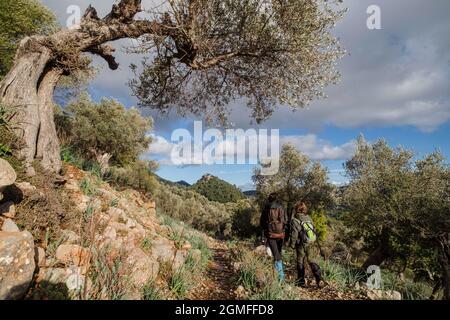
(8, 209)
(26, 187)
(179, 260)
(16, 264)
(70, 237)
(145, 268)
(162, 250)
(9, 226)
(7, 175)
(71, 254)
(375, 294)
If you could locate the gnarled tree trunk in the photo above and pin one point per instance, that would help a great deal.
(444, 259)
(40, 62)
(19, 90)
(380, 254)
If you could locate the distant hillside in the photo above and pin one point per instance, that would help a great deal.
(250, 193)
(180, 183)
(218, 190)
(183, 183)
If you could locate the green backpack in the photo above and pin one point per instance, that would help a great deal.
(308, 233)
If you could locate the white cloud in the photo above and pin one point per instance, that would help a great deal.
(319, 149)
(311, 145)
(160, 146)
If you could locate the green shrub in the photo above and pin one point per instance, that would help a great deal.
(409, 289)
(137, 176)
(344, 276)
(180, 282)
(150, 291)
(320, 223)
(109, 275)
(93, 129)
(89, 186)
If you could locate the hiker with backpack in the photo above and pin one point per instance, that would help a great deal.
(273, 223)
(302, 238)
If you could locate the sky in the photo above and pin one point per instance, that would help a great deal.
(395, 85)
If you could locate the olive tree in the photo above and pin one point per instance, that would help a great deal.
(298, 179)
(400, 207)
(201, 55)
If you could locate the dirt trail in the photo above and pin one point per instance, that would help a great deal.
(220, 280)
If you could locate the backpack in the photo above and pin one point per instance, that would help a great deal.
(308, 233)
(277, 222)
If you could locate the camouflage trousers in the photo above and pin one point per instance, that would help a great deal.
(305, 254)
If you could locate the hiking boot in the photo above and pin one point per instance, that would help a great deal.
(300, 283)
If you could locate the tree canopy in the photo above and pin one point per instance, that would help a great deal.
(18, 19)
(400, 207)
(216, 51)
(298, 179)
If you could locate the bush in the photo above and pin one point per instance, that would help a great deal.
(344, 276)
(320, 223)
(196, 210)
(409, 289)
(109, 275)
(93, 129)
(245, 219)
(151, 291)
(137, 175)
(9, 142)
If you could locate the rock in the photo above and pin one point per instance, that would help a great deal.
(179, 260)
(151, 205)
(62, 283)
(25, 187)
(145, 268)
(16, 264)
(262, 250)
(9, 226)
(162, 250)
(8, 209)
(240, 292)
(236, 266)
(75, 280)
(131, 223)
(187, 246)
(7, 176)
(70, 237)
(117, 215)
(39, 256)
(71, 254)
(375, 294)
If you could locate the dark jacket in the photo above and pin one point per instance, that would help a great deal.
(264, 220)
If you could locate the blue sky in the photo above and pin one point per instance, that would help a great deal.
(395, 85)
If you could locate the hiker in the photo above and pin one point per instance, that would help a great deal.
(273, 224)
(302, 238)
